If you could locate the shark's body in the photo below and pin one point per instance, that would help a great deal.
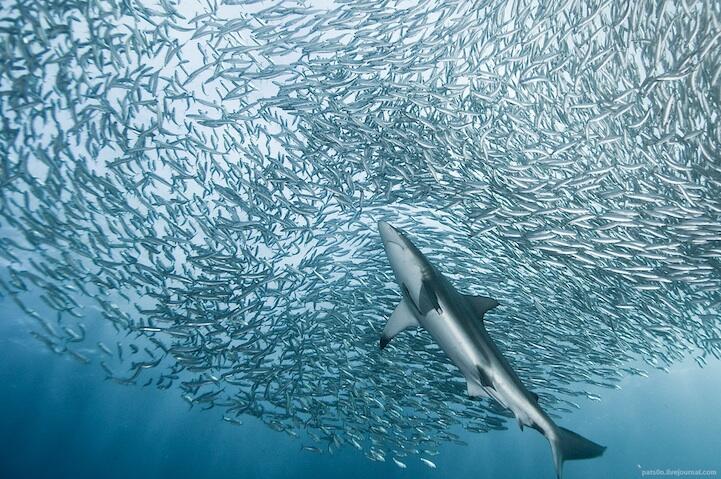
(455, 321)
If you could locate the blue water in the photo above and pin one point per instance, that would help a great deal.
(566, 168)
(61, 419)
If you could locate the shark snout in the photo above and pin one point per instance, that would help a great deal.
(389, 234)
(385, 229)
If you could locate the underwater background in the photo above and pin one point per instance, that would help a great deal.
(61, 419)
(192, 281)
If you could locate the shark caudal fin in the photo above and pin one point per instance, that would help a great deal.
(567, 446)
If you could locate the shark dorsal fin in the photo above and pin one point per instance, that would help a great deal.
(481, 304)
(485, 380)
(401, 319)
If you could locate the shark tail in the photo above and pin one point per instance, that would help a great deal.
(567, 445)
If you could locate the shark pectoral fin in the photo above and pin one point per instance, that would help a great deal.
(427, 299)
(401, 319)
(475, 390)
(481, 304)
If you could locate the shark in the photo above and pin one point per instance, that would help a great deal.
(455, 321)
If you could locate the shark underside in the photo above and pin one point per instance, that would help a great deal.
(455, 321)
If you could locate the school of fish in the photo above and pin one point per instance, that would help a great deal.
(201, 181)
